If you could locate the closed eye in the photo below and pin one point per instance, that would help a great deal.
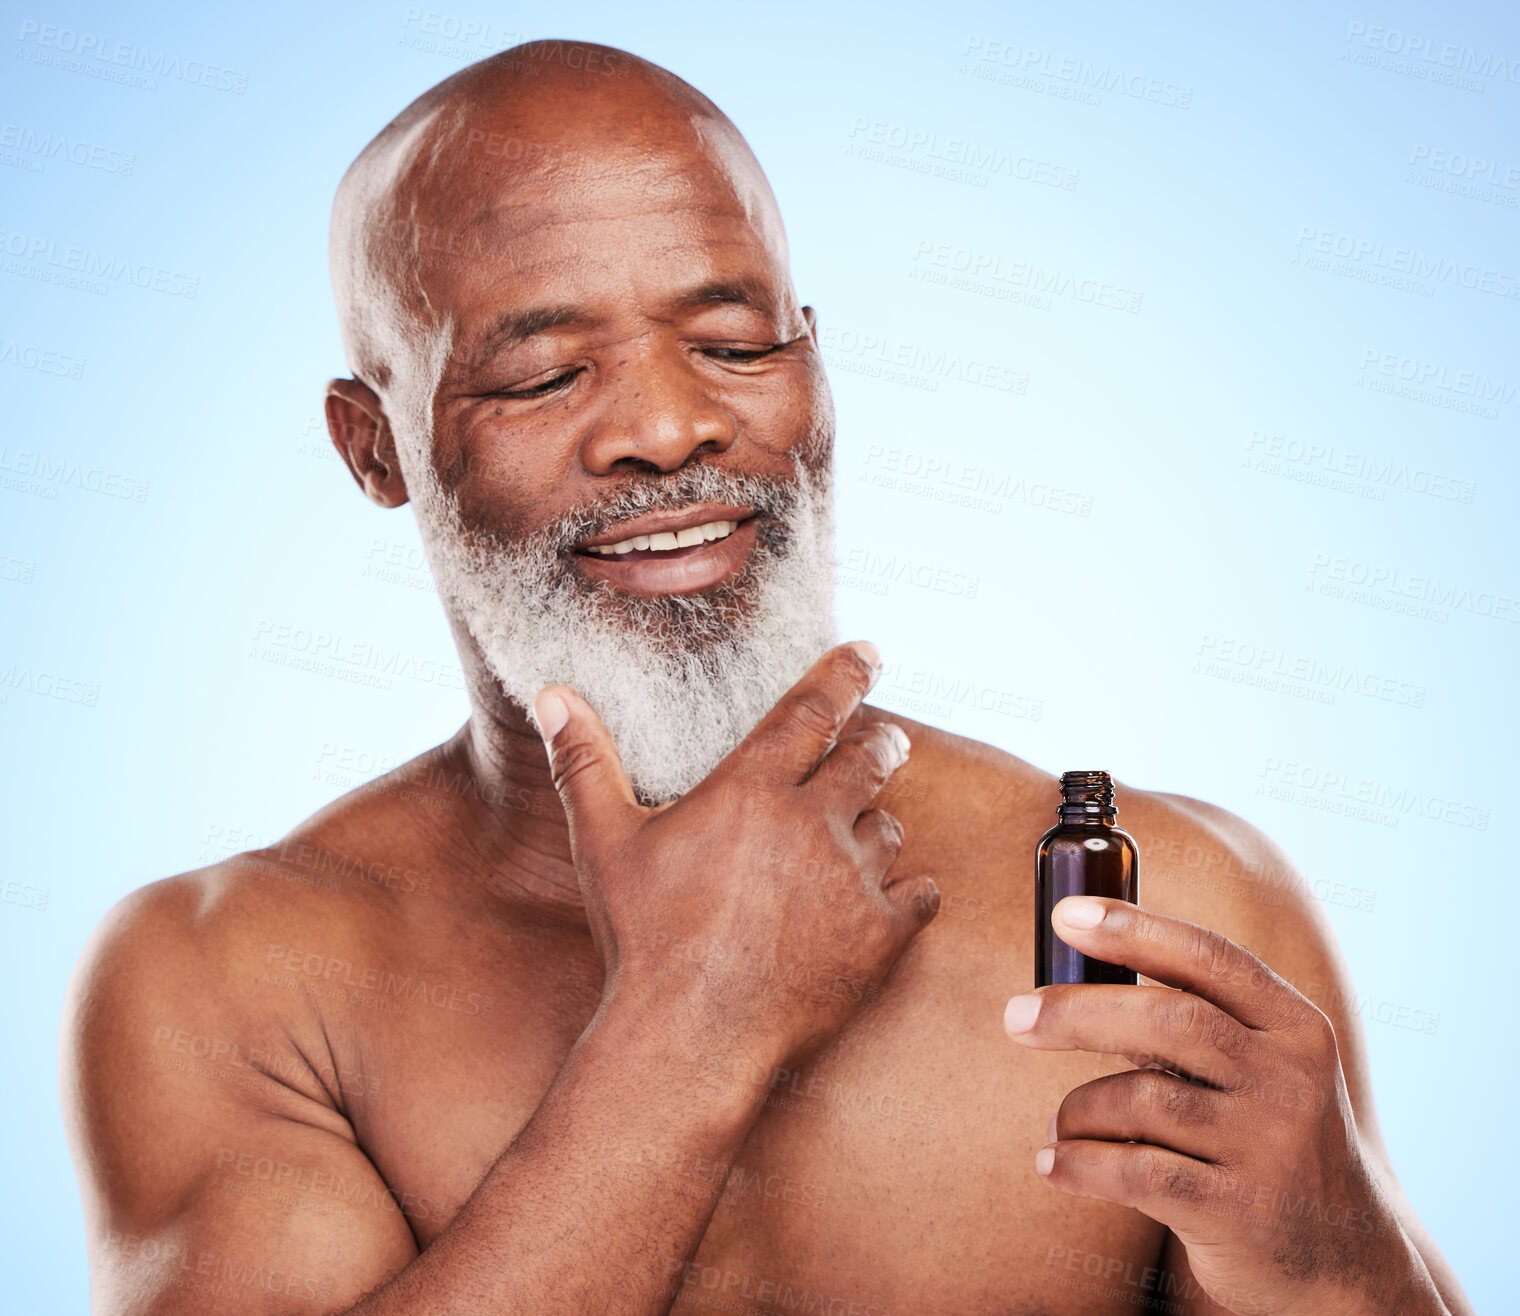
(738, 355)
(538, 390)
(742, 353)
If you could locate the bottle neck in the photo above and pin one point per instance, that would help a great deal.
(1087, 800)
(1103, 818)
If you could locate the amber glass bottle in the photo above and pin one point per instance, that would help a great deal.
(1084, 854)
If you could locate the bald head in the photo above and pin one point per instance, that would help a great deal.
(565, 295)
(540, 130)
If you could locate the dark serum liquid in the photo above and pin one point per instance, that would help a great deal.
(1084, 854)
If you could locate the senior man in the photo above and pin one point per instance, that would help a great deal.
(673, 981)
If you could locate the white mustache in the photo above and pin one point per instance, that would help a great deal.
(678, 679)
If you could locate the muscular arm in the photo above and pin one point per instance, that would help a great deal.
(1296, 939)
(579, 1239)
(209, 1186)
(546, 1230)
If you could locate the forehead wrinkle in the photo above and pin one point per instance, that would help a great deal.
(656, 139)
(520, 245)
(512, 229)
(603, 191)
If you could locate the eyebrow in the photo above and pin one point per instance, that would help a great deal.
(518, 326)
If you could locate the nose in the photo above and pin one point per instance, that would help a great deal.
(659, 413)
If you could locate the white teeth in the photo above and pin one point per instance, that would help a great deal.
(696, 534)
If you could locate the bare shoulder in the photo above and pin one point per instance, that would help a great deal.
(1207, 865)
(958, 780)
(184, 937)
(165, 948)
(195, 946)
(169, 984)
(216, 987)
(1198, 861)
(182, 1071)
(1210, 866)
(1201, 862)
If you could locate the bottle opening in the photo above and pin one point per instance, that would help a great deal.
(1088, 795)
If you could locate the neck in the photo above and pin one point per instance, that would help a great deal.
(509, 832)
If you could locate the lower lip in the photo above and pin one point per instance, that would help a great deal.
(697, 566)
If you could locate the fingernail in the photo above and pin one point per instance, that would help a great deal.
(1021, 1013)
(1044, 1160)
(1050, 1130)
(928, 895)
(550, 712)
(872, 655)
(1080, 912)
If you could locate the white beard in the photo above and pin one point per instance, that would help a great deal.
(678, 679)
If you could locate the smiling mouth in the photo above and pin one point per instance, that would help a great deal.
(666, 545)
(675, 561)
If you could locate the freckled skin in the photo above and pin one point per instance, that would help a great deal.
(894, 1169)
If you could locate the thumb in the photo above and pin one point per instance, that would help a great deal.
(585, 767)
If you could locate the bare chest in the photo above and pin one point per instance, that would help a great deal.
(893, 1173)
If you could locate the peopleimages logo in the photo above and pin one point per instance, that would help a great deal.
(1459, 164)
(1266, 661)
(867, 133)
(37, 473)
(1440, 56)
(1379, 578)
(108, 54)
(332, 970)
(1376, 255)
(1333, 789)
(88, 263)
(1039, 281)
(1434, 374)
(60, 146)
(1029, 61)
(44, 360)
(1281, 454)
(846, 346)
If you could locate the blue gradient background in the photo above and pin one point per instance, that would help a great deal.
(198, 744)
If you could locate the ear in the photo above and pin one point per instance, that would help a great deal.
(811, 316)
(360, 432)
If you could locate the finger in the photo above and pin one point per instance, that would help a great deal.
(584, 764)
(790, 739)
(880, 835)
(1176, 1190)
(854, 771)
(1186, 1032)
(1147, 1105)
(914, 901)
(1183, 954)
